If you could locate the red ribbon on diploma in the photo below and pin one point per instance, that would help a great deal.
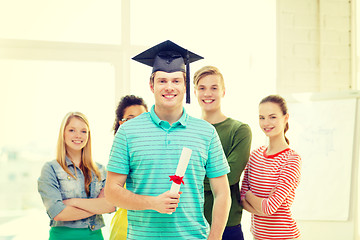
(177, 179)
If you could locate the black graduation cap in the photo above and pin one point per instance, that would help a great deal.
(169, 57)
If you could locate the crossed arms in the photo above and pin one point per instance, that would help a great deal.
(80, 208)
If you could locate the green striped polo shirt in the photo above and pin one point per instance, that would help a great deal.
(148, 149)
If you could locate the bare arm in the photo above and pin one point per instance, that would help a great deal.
(70, 213)
(221, 207)
(97, 205)
(247, 206)
(253, 204)
(254, 201)
(117, 195)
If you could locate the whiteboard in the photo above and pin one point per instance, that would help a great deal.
(322, 132)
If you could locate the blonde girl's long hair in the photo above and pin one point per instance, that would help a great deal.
(87, 164)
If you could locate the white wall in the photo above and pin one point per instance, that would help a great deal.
(314, 46)
(316, 53)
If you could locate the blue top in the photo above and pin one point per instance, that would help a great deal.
(147, 150)
(55, 185)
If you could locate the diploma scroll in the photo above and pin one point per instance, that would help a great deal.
(180, 170)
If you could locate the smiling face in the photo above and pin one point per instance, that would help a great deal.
(209, 92)
(131, 112)
(76, 134)
(168, 89)
(272, 121)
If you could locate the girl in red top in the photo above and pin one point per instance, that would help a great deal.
(271, 176)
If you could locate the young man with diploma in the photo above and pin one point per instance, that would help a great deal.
(146, 152)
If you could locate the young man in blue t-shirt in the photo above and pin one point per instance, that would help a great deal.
(146, 152)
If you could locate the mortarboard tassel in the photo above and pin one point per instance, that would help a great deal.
(187, 78)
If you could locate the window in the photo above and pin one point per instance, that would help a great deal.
(34, 98)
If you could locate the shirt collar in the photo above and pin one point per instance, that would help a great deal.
(68, 161)
(182, 121)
